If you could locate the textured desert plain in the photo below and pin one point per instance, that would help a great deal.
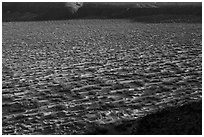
(61, 77)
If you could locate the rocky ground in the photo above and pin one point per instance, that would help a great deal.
(61, 77)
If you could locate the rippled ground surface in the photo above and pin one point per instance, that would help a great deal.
(61, 76)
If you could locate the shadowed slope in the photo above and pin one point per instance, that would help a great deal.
(184, 120)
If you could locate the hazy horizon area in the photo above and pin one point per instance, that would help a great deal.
(27, 11)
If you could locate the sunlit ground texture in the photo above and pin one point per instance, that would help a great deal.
(59, 77)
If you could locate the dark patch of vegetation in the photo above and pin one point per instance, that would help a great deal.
(183, 120)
